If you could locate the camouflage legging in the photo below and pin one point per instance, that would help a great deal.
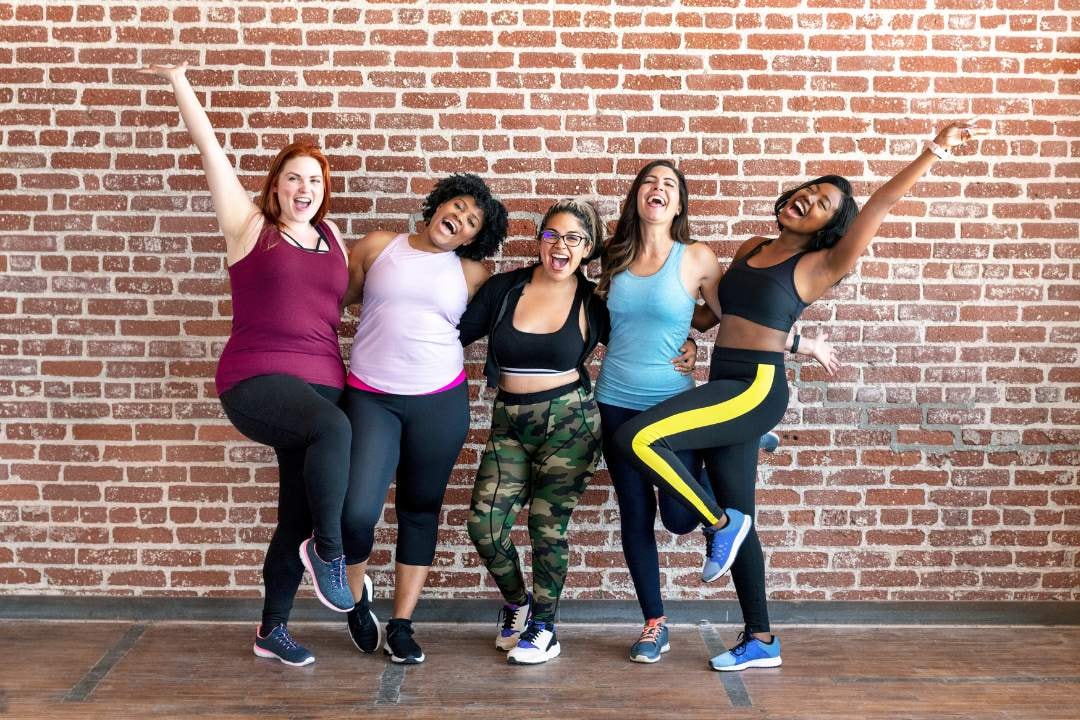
(543, 453)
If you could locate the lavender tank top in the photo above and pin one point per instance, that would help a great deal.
(407, 338)
(286, 306)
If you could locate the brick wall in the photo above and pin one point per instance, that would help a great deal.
(941, 464)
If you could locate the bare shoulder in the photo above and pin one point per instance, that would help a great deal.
(749, 245)
(337, 235)
(367, 248)
(700, 253)
(476, 274)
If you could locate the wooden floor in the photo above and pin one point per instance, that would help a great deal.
(156, 670)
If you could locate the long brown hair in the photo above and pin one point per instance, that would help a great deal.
(625, 244)
(268, 202)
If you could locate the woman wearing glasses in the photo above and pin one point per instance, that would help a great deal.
(542, 321)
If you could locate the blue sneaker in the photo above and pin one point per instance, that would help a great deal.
(513, 619)
(769, 442)
(721, 546)
(331, 586)
(653, 642)
(280, 645)
(748, 653)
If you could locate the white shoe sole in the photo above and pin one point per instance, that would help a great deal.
(405, 661)
(274, 656)
(759, 663)
(318, 593)
(536, 658)
(650, 660)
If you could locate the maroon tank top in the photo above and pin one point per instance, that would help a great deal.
(286, 311)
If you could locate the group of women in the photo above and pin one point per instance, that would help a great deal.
(401, 411)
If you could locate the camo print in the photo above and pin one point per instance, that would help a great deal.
(542, 454)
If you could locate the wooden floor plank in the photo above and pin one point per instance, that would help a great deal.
(207, 670)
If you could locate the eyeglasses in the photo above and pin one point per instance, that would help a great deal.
(572, 239)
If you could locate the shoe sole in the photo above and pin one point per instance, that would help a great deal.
(369, 588)
(318, 593)
(274, 656)
(405, 661)
(735, 545)
(759, 663)
(650, 660)
(551, 654)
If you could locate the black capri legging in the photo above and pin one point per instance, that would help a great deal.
(419, 435)
(723, 419)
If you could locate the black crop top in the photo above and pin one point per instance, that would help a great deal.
(766, 296)
(524, 353)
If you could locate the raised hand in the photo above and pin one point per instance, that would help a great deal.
(169, 72)
(957, 133)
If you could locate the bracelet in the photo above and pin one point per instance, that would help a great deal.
(937, 150)
(795, 343)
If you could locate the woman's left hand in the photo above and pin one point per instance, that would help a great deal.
(958, 133)
(687, 358)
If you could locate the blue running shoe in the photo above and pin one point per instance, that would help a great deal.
(721, 546)
(280, 645)
(331, 586)
(769, 442)
(653, 642)
(749, 652)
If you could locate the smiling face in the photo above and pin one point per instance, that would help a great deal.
(810, 208)
(658, 200)
(455, 223)
(560, 260)
(299, 189)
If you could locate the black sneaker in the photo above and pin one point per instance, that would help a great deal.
(400, 645)
(364, 628)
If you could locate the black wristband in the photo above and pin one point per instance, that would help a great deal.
(795, 343)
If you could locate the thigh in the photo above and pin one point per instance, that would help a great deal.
(433, 431)
(502, 480)
(568, 457)
(282, 411)
(375, 446)
(634, 494)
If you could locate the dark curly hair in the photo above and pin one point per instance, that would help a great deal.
(493, 225)
(841, 219)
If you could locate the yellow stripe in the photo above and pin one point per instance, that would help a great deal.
(701, 417)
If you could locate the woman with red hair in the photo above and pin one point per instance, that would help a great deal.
(280, 375)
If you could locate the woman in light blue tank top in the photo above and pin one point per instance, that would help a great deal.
(646, 268)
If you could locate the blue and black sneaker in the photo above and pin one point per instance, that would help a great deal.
(400, 645)
(280, 645)
(721, 546)
(653, 642)
(769, 442)
(749, 652)
(331, 586)
(364, 628)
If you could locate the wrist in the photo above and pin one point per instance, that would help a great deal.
(937, 150)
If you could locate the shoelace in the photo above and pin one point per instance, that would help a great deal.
(712, 546)
(508, 615)
(337, 572)
(533, 631)
(284, 637)
(651, 633)
(743, 642)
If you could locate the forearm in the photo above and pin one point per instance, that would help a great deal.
(195, 119)
(886, 196)
(704, 319)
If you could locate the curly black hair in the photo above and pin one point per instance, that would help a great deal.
(494, 222)
(841, 220)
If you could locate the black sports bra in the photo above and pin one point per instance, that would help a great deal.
(524, 353)
(766, 296)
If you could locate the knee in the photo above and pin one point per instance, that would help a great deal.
(334, 426)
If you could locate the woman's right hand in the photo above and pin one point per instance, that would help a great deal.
(169, 72)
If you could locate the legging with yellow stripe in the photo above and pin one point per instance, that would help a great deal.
(746, 396)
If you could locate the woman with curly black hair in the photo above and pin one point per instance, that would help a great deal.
(407, 397)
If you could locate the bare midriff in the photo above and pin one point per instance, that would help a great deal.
(738, 332)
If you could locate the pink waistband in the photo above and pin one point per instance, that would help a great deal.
(355, 382)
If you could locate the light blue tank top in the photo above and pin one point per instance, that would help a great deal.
(650, 319)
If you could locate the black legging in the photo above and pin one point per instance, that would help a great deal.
(745, 397)
(311, 437)
(419, 435)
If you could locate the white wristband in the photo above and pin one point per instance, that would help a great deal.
(937, 150)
